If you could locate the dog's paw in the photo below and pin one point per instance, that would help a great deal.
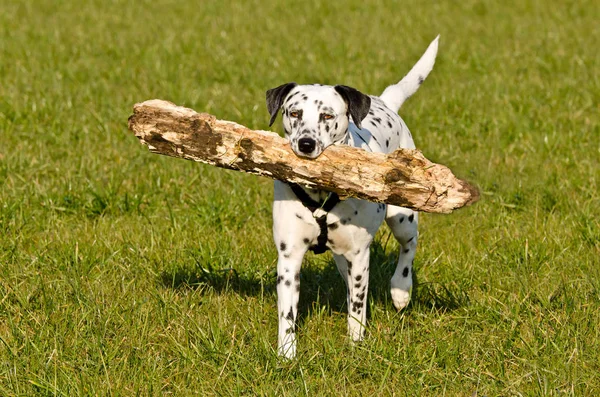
(287, 352)
(400, 298)
(356, 329)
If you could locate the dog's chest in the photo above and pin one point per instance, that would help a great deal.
(351, 223)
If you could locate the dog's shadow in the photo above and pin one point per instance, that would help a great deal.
(322, 286)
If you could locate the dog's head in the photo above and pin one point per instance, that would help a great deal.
(316, 116)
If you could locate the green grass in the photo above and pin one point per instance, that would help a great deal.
(125, 273)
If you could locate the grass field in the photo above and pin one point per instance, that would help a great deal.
(125, 273)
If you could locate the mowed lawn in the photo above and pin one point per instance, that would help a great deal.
(125, 273)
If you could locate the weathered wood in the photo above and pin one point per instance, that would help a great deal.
(404, 177)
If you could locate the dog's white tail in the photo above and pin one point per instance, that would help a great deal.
(395, 95)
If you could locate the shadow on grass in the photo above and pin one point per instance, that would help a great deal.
(220, 280)
(322, 286)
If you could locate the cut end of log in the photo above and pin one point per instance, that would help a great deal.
(405, 177)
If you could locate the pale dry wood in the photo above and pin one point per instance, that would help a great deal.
(404, 177)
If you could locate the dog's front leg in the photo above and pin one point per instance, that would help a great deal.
(288, 293)
(358, 282)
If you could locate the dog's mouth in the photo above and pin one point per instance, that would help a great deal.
(311, 156)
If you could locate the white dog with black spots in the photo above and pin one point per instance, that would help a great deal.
(315, 117)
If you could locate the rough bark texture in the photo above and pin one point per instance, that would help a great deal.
(404, 177)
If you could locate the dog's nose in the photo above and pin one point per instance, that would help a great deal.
(306, 145)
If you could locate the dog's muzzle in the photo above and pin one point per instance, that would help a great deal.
(307, 145)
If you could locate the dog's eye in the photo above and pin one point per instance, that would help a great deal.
(327, 116)
(294, 114)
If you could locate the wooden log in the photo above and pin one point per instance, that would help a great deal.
(404, 177)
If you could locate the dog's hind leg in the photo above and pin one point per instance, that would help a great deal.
(403, 223)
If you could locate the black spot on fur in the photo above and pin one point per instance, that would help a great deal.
(389, 124)
(282, 246)
(336, 125)
(344, 221)
(290, 330)
(332, 226)
(361, 296)
(357, 285)
(401, 219)
(405, 272)
(377, 120)
(421, 80)
(349, 265)
(406, 251)
(286, 255)
(290, 315)
(387, 143)
(297, 276)
(279, 278)
(299, 216)
(358, 278)
(288, 283)
(409, 240)
(411, 217)
(357, 252)
(355, 212)
(306, 241)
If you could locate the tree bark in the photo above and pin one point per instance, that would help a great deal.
(404, 177)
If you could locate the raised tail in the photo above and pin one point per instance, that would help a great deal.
(395, 95)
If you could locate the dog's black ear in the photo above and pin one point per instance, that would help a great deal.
(358, 103)
(275, 97)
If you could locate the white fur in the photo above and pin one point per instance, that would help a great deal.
(352, 223)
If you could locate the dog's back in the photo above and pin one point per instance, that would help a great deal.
(382, 130)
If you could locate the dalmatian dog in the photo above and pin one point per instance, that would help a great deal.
(315, 117)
